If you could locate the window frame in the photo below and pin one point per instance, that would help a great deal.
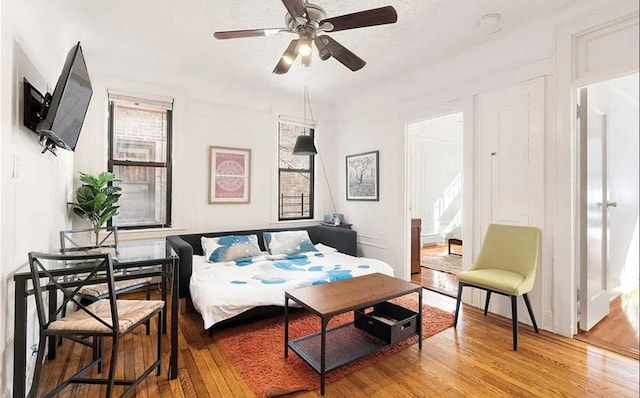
(311, 171)
(111, 163)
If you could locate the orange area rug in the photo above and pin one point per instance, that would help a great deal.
(256, 349)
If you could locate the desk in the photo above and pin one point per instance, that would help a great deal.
(140, 259)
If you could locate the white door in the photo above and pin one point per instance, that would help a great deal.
(511, 166)
(512, 148)
(594, 294)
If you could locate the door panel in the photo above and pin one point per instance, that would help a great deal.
(594, 302)
(511, 165)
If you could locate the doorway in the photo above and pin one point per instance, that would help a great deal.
(435, 196)
(609, 268)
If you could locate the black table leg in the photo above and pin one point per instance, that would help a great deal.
(173, 373)
(419, 325)
(20, 339)
(53, 303)
(163, 290)
(286, 326)
(323, 346)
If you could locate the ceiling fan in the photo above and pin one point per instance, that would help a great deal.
(309, 22)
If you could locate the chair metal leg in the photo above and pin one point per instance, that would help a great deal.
(458, 299)
(101, 353)
(514, 318)
(533, 318)
(486, 303)
(38, 369)
(112, 366)
(159, 346)
(148, 323)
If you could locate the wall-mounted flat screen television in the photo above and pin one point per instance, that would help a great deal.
(58, 117)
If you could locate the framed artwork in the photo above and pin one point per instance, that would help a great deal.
(363, 176)
(229, 175)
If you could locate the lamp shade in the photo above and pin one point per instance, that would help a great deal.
(304, 146)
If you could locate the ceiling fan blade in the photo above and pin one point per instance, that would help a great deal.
(339, 52)
(295, 8)
(376, 16)
(287, 59)
(238, 34)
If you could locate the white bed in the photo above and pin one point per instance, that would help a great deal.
(221, 291)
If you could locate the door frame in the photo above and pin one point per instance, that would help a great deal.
(466, 106)
(567, 207)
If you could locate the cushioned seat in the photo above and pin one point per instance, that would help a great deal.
(130, 312)
(497, 279)
(506, 265)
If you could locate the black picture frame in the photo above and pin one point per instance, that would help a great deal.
(363, 176)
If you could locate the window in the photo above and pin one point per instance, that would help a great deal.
(140, 157)
(295, 174)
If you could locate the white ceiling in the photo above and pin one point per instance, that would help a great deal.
(144, 38)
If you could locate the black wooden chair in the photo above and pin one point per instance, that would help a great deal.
(103, 318)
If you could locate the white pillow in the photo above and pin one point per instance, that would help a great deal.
(288, 242)
(229, 247)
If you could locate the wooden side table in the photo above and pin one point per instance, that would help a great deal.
(454, 241)
(341, 225)
(416, 226)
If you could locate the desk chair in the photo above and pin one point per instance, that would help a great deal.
(103, 318)
(75, 240)
(506, 265)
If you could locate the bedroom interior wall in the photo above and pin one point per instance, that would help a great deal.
(240, 119)
(380, 122)
(435, 170)
(623, 169)
(35, 186)
(620, 103)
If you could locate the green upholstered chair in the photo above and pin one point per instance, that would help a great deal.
(506, 265)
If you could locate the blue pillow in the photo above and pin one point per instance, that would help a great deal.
(229, 247)
(288, 242)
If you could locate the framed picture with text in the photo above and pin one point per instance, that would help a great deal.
(363, 176)
(229, 175)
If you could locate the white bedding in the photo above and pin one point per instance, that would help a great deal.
(223, 290)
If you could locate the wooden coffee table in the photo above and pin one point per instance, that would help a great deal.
(331, 299)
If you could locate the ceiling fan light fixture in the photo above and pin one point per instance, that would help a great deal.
(306, 60)
(287, 59)
(323, 50)
(305, 47)
(308, 21)
(324, 54)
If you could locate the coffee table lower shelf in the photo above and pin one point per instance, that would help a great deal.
(344, 344)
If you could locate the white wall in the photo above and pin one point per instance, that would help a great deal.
(435, 170)
(622, 178)
(380, 123)
(35, 186)
(241, 119)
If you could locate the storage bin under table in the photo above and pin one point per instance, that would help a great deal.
(377, 324)
(387, 321)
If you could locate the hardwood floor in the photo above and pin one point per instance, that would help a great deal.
(474, 360)
(437, 281)
(619, 330)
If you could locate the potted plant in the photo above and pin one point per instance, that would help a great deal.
(96, 200)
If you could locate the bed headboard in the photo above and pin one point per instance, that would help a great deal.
(344, 240)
